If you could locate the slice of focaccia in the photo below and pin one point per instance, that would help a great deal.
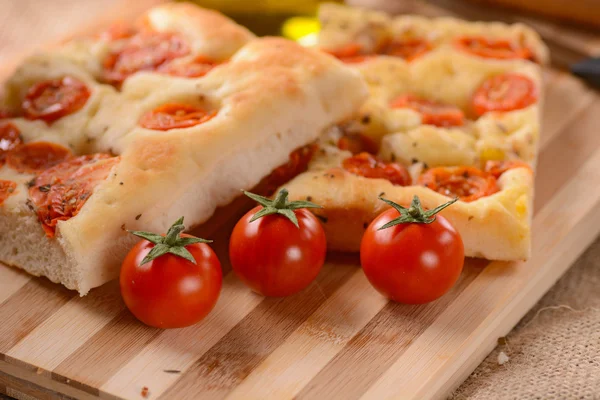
(454, 111)
(157, 145)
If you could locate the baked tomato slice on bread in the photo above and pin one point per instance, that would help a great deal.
(56, 98)
(369, 166)
(409, 49)
(175, 116)
(278, 247)
(60, 192)
(357, 143)
(350, 54)
(7, 188)
(432, 112)
(493, 48)
(145, 51)
(505, 92)
(466, 183)
(411, 255)
(35, 157)
(497, 168)
(171, 280)
(196, 68)
(10, 138)
(297, 163)
(6, 113)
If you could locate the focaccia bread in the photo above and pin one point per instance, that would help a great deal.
(156, 146)
(454, 111)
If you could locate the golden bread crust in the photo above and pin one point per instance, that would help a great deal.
(495, 227)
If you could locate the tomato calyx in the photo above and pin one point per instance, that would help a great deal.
(415, 214)
(171, 243)
(280, 205)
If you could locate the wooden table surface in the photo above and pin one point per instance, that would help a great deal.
(27, 24)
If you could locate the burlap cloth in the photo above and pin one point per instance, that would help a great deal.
(553, 353)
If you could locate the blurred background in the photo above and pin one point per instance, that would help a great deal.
(570, 27)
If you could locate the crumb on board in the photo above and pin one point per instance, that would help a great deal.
(502, 358)
(145, 392)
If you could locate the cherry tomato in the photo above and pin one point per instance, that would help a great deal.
(506, 92)
(408, 49)
(369, 166)
(175, 116)
(35, 157)
(272, 255)
(10, 138)
(357, 144)
(497, 168)
(170, 291)
(145, 51)
(493, 48)
(432, 112)
(411, 263)
(54, 99)
(7, 188)
(200, 66)
(350, 54)
(466, 183)
(60, 192)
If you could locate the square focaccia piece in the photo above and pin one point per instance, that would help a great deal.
(446, 118)
(169, 146)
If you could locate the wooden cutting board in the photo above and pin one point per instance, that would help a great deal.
(338, 338)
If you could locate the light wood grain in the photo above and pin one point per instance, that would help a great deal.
(173, 350)
(339, 339)
(323, 335)
(82, 317)
(566, 99)
(11, 280)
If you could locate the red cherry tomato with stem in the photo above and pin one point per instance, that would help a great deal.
(410, 255)
(172, 280)
(278, 248)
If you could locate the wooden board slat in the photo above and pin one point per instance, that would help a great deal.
(338, 339)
